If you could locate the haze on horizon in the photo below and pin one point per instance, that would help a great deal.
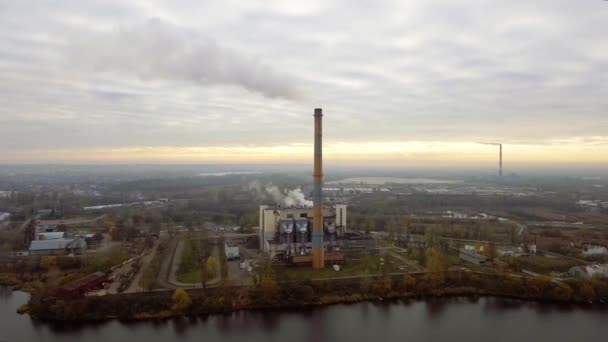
(416, 83)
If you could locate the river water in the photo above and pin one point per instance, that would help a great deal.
(485, 319)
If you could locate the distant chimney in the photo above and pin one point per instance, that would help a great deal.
(500, 162)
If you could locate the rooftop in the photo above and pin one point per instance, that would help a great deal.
(42, 245)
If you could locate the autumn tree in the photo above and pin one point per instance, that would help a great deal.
(181, 301)
(437, 265)
(368, 226)
(209, 269)
(489, 250)
(266, 282)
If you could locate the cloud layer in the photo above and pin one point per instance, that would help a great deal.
(143, 74)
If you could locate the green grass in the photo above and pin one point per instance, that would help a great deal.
(193, 276)
(369, 265)
(541, 264)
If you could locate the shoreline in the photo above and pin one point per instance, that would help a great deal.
(159, 305)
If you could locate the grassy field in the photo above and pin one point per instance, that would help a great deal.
(193, 276)
(368, 265)
(541, 264)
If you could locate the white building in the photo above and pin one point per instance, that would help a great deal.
(300, 218)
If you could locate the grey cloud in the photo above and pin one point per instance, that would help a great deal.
(473, 70)
(157, 50)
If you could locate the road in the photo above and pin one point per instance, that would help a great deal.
(145, 261)
(237, 275)
(134, 286)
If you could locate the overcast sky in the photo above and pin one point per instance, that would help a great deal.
(191, 80)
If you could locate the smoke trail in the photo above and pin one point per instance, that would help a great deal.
(157, 50)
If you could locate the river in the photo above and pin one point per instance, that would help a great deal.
(484, 319)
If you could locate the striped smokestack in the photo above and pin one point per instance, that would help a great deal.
(318, 253)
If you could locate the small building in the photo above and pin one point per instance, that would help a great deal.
(58, 246)
(232, 250)
(42, 213)
(474, 257)
(510, 251)
(588, 272)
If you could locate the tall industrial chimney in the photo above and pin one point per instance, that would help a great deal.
(318, 253)
(500, 162)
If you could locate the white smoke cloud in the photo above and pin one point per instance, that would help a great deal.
(255, 186)
(157, 50)
(294, 197)
(274, 192)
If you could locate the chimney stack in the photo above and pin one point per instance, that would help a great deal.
(318, 252)
(500, 161)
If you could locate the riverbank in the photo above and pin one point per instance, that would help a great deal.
(277, 295)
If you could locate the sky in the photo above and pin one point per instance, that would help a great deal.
(400, 82)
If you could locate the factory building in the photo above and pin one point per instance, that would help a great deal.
(57, 246)
(289, 229)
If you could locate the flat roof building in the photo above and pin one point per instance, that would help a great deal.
(57, 246)
(474, 257)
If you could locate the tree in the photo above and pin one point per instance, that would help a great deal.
(587, 292)
(181, 301)
(409, 282)
(267, 283)
(489, 250)
(155, 228)
(149, 240)
(209, 269)
(48, 262)
(391, 227)
(368, 225)
(437, 265)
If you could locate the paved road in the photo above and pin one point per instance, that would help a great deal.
(145, 261)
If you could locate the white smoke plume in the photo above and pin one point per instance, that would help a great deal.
(296, 197)
(158, 50)
(275, 193)
(255, 186)
(288, 198)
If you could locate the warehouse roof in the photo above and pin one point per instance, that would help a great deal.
(42, 245)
